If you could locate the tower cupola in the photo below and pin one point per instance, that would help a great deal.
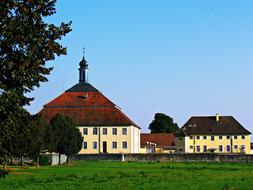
(83, 75)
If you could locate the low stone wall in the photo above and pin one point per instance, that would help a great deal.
(236, 158)
(108, 157)
(167, 157)
(171, 157)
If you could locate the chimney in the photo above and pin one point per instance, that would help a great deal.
(217, 117)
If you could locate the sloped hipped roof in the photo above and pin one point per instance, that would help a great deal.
(82, 87)
(161, 139)
(87, 107)
(209, 125)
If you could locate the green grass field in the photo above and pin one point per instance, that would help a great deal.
(124, 175)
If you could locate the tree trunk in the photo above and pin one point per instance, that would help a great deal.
(59, 159)
(11, 160)
(22, 161)
(38, 162)
(4, 165)
(67, 159)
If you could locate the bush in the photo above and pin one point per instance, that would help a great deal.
(44, 160)
(3, 173)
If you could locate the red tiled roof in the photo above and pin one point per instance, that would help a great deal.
(161, 139)
(86, 109)
(80, 99)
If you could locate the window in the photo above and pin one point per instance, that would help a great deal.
(228, 137)
(228, 148)
(104, 131)
(191, 137)
(198, 148)
(197, 137)
(124, 144)
(220, 137)
(95, 131)
(235, 137)
(180, 150)
(220, 148)
(235, 146)
(191, 147)
(114, 131)
(204, 137)
(212, 138)
(204, 148)
(243, 137)
(124, 131)
(243, 147)
(95, 145)
(114, 145)
(180, 139)
(84, 145)
(85, 131)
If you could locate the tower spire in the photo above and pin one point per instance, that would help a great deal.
(83, 69)
(84, 51)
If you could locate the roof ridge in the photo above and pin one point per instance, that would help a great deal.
(209, 125)
(82, 86)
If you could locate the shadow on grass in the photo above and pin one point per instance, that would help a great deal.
(3, 173)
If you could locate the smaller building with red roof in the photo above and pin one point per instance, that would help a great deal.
(157, 143)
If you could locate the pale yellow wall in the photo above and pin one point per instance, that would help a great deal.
(143, 150)
(169, 151)
(191, 144)
(158, 150)
(135, 139)
(132, 139)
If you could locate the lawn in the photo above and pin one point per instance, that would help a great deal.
(133, 175)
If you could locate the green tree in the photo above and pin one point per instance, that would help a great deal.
(27, 42)
(10, 129)
(163, 124)
(39, 138)
(67, 137)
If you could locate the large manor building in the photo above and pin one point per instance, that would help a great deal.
(105, 128)
(218, 134)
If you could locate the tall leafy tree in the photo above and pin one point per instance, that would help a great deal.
(67, 137)
(163, 123)
(27, 42)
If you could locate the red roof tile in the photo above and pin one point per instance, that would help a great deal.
(80, 99)
(86, 109)
(161, 139)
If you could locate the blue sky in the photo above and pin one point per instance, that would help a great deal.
(181, 58)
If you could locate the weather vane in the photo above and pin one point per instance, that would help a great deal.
(84, 51)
